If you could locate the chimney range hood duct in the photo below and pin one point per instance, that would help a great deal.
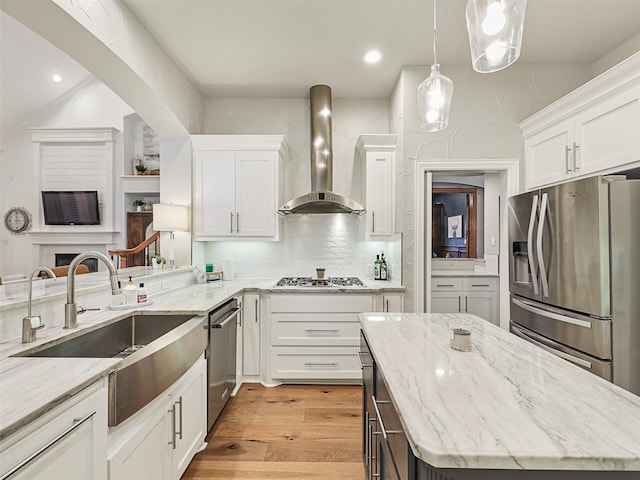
(321, 199)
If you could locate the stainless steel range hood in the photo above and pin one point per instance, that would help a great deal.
(321, 199)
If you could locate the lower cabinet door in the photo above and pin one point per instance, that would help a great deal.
(318, 363)
(147, 454)
(483, 304)
(445, 302)
(190, 419)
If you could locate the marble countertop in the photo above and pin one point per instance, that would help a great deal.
(31, 386)
(462, 273)
(507, 404)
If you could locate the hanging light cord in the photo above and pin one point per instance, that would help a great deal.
(435, 34)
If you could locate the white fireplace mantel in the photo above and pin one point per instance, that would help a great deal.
(74, 238)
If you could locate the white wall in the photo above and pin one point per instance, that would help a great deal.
(483, 123)
(91, 105)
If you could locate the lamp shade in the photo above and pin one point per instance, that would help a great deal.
(168, 217)
(495, 33)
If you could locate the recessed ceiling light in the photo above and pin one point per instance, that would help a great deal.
(56, 78)
(372, 56)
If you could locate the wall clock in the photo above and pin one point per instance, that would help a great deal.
(17, 220)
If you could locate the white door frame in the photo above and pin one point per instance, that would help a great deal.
(510, 181)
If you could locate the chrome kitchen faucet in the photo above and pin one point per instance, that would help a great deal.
(70, 309)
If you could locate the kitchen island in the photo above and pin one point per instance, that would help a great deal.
(505, 410)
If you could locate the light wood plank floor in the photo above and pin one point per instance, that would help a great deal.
(286, 432)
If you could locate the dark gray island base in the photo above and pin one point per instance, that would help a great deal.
(426, 472)
(506, 410)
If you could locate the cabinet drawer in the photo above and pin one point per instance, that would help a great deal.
(315, 329)
(446, 284)
(322, 302)
(316, 363)
(480, 284)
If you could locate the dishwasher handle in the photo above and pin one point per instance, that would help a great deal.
(223, 323)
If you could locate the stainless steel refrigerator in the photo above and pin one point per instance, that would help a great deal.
(575, 274)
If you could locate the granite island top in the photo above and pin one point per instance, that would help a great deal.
(507, 404)
(30, 387)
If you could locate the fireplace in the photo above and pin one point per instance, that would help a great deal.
(63, 259)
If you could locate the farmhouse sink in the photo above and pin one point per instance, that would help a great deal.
(156, 350)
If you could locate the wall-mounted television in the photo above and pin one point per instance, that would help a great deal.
(71, 208)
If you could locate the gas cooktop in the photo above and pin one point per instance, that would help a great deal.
(320, 282)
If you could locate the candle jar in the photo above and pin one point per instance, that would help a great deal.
(460, 329)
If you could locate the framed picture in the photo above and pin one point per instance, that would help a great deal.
(454, 226)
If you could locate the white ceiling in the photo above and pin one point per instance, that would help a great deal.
(279, 48)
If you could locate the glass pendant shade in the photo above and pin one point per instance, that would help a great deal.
(495, 32)
(434, 101)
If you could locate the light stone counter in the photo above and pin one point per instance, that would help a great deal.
(32, 386)
(505, 405)
(462, 273)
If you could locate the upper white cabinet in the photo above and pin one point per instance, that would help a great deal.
(237, 186)
(594, 129)
(378, 157)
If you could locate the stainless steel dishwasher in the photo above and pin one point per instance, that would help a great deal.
(221, 357)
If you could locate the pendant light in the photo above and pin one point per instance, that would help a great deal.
(495, 33)
(434, 94)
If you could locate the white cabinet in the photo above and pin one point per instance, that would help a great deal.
(159, 441)
(315, 336)
(391, 302)
(477, 295)
(239, 346)
(237, 180)
(378, 156)
(591, 130)
(72, 437)
(251, 335)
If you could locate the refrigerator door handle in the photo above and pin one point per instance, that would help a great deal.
(543, 270)
(551, 315)
(531, 338)
(532, 266)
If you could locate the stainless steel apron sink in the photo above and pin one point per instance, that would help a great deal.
(157, 349)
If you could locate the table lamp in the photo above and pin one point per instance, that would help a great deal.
(168, 217)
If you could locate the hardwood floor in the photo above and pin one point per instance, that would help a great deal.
(286, 432)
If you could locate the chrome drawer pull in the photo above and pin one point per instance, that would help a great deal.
(314, 364)
(76, 423)
(311, 330)
(173, 426)
(384, 431)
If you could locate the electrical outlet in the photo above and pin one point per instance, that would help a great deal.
(369, 269)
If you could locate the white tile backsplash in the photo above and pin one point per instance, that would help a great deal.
(333, 241)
